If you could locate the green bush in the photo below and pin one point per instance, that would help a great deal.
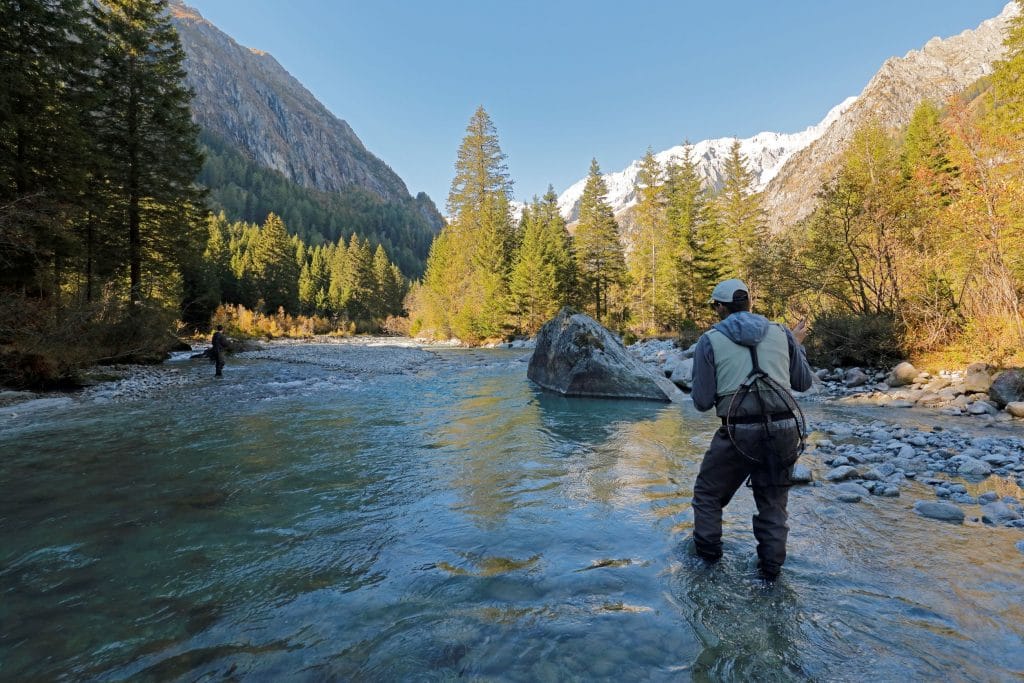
(845, 339)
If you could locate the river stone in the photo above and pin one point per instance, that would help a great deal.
(1008, 387)
(902, 375)
(841, 473)
(947, 512)
(682, 374)
(855, 377)
(982, 408)
(998, 512)
(977, 380)
(801, 474)
(988, 497)
(576, 356)
(853, 488)
(1015, 408)
(965, 464)
(848, 498)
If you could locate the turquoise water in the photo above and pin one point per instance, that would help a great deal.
(294, 522)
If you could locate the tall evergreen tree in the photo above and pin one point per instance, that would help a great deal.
(650, 301)
(599, 256)
(467, 272)
(147, 136)
(46, 51)
(541, 280)
(741, 220)
(274, 267)
(689, 213)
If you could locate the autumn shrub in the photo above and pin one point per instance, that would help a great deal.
(47, 343)
(239, 321)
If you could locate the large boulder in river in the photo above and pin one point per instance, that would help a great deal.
(1007, 387)
(576, 356)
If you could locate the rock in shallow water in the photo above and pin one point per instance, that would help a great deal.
(946, 512)
(576, 356)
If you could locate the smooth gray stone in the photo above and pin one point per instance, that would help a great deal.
(1020, 546)
(841, 473)
(890, 492)
(946, 512)
(998, 513)
(849, 498)
(855, 489)
(963, 499)
(801, 474)
(988, 497)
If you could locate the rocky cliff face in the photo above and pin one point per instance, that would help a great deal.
(246, 97)
(939, 70)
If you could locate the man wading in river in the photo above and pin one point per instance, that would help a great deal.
(219, 345)
(745, 367)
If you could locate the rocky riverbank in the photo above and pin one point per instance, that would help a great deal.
(985, 474)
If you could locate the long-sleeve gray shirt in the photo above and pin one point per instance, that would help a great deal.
(747, 329)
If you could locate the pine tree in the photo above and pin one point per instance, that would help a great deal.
(741, 220)
(46, 51)
(274, 267)
(693, 229)
(540, 283)
(358, 284)
(467, 290)
(599, 258)
(148, 139)
(647, 260)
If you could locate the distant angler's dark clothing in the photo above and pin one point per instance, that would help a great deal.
(220, 347)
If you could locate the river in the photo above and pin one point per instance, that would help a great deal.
(299, 521)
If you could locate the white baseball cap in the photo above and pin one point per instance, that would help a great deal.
(729, 291)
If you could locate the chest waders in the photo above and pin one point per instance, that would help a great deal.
(758, 380)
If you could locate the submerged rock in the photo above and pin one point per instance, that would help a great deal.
(576, 356)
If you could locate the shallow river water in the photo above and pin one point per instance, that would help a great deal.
(295, 521)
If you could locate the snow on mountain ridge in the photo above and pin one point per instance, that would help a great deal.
(765, 154)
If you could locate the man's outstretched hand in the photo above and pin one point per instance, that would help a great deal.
(800, 330)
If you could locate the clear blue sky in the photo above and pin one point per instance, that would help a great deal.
(565, 81)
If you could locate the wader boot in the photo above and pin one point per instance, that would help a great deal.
(722, 472)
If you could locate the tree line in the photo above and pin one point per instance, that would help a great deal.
(264, 268)
(489, 276)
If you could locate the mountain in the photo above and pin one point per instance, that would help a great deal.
(790, 168)
(936, 72)
(249, 107)
(765, 154)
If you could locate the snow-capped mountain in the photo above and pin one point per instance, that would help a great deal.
(765, 154)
